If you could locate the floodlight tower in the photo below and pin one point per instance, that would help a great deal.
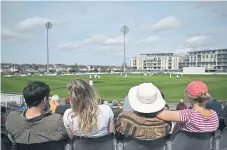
(124, 30)
(48, 26)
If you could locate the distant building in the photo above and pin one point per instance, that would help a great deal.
(155, 61)
(212, 60)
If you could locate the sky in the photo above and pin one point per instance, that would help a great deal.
(90, 32)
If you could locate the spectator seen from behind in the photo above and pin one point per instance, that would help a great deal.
(3, 115)
(145, 100)
(197, 119)
(225, 114)
(116, 109)
(36, 124)
(54, 102)
(86, 117)
(55, 105)
(128, 108)
(215, 105)
(126, 105)
(181, 105)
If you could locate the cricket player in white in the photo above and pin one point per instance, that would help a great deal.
(177, 77)
(91, 82)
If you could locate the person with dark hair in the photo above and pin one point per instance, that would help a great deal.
(101, 101)
(3, 115)
(36, 124)
(181, 105)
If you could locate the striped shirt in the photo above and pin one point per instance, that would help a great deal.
(193, 121)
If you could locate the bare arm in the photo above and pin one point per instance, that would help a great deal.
(168, 115)
(111, 127)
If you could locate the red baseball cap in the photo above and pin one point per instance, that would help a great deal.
(196, 87)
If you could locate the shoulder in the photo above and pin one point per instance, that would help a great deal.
(104, 107)
(214, 113)
(54, 117)
(127, 114)
(14, 115)
(67, 113)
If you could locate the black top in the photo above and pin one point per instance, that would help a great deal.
(61, 109)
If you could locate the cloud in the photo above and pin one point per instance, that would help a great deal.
(104, 40)
(150, 40)
(217, 8)
(68, 46)
(99, 40)
(195, 43)
(25, 28)
(167, 23)
(9, 35)
(112, 50)
(198, 41)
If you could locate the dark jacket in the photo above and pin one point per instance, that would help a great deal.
(181, 106)
(61, 109)
(44, 128)
(215, 105)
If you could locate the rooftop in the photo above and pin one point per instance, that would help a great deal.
(158, 54)
(209, 50)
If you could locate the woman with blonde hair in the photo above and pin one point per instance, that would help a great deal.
(86, 117)
(197, 119)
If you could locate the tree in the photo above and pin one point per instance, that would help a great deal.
(75, 67)
(36, 67)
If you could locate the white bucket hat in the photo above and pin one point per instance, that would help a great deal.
(146, 98)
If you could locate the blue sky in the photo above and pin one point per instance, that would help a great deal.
(89, 32)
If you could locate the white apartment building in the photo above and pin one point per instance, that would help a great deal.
(212, 60)
(155, 61)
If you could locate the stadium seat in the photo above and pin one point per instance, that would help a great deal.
(5, 142)
(53, 145)
(135, 144)
(192, 141)
(223, 139)
(100, 143)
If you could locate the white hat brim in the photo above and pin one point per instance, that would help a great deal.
(145, 108)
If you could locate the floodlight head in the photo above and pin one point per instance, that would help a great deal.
(48, 25)
(124, 29)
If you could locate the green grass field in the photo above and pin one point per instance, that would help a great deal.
(112, 87)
